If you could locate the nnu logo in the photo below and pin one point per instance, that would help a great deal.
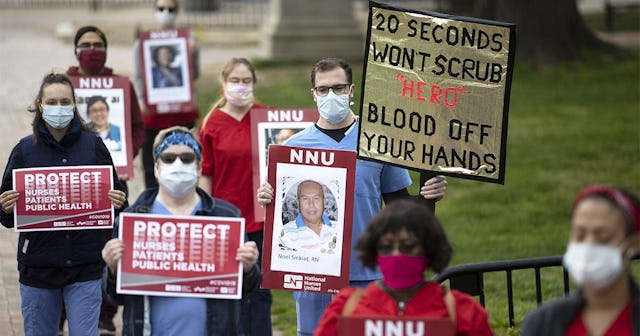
(292, 281)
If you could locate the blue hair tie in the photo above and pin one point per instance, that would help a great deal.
(178, 138)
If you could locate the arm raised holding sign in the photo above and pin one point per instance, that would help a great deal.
(337, 128)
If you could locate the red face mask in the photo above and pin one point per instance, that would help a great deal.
(92, 61)
(401, 271)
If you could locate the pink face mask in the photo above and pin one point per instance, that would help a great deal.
(239, 94)
(401, 271)
(92, 61)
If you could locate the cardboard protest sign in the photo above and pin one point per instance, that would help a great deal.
(63, 198)
(435, 92)
(394, 325)
(110, 105)
(187, 256)
(167, 71)
(307, 234)
(273, 126)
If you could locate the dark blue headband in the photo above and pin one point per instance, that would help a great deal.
(178, 138)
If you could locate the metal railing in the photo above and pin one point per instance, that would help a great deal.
(469, 278)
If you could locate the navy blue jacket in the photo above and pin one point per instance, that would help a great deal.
(223, 316)
(65, 249)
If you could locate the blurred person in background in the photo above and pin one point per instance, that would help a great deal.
(604, 237)
(166, 13)
(90, 46)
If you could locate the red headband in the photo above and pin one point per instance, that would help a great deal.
(623, 201)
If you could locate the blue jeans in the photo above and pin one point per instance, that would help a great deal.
(41, 308)
(311, 306)
(255, 316)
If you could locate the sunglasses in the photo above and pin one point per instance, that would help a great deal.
(171, 157)
(169, 9)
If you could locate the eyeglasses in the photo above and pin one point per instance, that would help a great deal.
(184, 157)
(340, 89)
(88, 45)
(168, 9)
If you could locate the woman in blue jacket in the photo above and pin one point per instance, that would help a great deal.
(63, 264)
(178, 157)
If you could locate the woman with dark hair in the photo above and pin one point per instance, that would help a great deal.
(98, 114)
(605, 235)
(163, 73)
(403, 240)
(63, 264)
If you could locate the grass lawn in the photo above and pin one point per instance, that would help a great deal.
(569, 126)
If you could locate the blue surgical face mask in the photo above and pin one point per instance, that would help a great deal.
(333, 107)
(57, 116)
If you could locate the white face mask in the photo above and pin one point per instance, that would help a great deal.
(333, 107)
(166, 18)
(178, 178)
(593, 265)
(238, 94)
(57, 116)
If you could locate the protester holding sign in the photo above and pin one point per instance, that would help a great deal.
(178, 166)
(166, 12)
(225, 133)
(63, 264)
(605, 235)
(90, 46)
(337, 128)
(403, 240)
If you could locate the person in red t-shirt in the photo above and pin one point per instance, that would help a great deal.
(225, 134)
(403, 240)
(605, 235)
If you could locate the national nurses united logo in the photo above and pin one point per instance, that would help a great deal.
(292, 281)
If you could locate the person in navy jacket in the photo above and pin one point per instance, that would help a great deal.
(63, 264)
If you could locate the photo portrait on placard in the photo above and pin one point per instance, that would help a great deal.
(308, 234)
(103, 111)
(166, 70)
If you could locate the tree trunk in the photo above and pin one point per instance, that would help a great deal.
(547, 31)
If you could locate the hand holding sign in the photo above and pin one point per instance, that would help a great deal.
(112, 253)
(8, 200)
(117, 198)
(248, 255)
